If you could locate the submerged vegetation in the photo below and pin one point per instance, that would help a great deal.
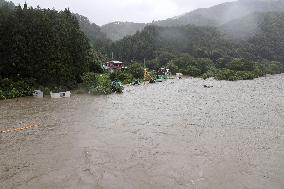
(58, 50)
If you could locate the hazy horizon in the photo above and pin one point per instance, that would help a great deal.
(140, 11)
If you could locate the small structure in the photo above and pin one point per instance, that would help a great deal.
(169, 75)
(161, 71)
(66, 94)
(114, 65)
(179, 75)
(38, 94)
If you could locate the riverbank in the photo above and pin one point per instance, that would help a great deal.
(175, 134)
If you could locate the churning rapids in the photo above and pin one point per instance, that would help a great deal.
(175, 134)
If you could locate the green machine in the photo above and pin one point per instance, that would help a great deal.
(117, 86)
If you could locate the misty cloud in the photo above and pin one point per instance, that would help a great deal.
(102, 12)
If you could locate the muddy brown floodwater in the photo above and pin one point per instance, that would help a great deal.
(175, 134)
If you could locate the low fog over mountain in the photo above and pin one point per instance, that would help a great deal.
(214, 16)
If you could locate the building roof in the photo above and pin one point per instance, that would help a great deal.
(115, 62)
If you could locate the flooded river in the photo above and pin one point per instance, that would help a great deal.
(176, 134)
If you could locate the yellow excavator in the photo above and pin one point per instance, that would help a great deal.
(148, 77)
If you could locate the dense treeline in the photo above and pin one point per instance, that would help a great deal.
(206, 52)
(56, 50)
(97, 38)
(45, 45)
(42, 47)
(268, 43)
(203, 42)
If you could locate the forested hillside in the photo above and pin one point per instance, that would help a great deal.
(268, 43)
(117, 30)
(183, 39)
(205, 51)
(97, 38)
(265, 41)
(52, 49)
(224, 14)
(42, 47)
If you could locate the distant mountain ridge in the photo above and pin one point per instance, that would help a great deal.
(118, 30)
(93, 32)
(243, 28)
(237, 20)
(222, 13)
(217, 15)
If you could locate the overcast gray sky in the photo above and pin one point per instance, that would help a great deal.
(105, 11)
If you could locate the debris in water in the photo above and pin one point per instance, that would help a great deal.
(18, 129)
(38, 94)
(207, 86)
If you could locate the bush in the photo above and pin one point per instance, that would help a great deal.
(89, 80)
(2, 95)
(271, 67)
(136, 70)
(231, 75)
(193, 71)
(124, 77)
(241, 65)
(103, 85)
(13, 89)
(240, 69)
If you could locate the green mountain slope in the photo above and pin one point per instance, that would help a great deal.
(223, 13)
(117, 30)
(214, 16)
(268, 43)
(184, 39)
(209, 42)
(97, 38)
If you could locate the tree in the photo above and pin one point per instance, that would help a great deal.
(43, 44)
(136, 70)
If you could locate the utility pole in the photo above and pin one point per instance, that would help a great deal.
(144, 63)
(112, 55)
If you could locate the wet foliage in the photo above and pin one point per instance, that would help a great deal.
(58, 50)
(45, 46)
(14, 89)
(204, 51)
(97, 83)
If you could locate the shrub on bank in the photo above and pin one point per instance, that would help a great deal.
(124, 77)
(136, 70)
(230, 75)
(97, 84)
(103, 84)
(13, 89)
(89, 80)
(239, 69)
